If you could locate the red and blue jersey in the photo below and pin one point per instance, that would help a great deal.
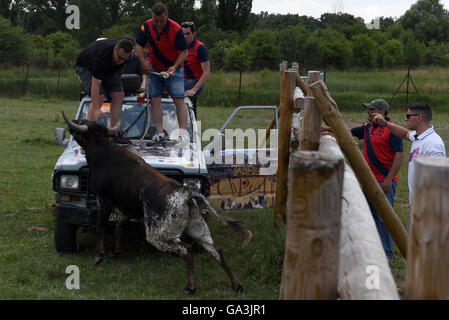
(379, 148)
(197, 55)
(163, 47)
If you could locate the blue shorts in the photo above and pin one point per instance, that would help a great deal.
(174, 85)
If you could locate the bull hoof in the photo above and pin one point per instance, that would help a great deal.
(98, 260)
(190, 291)
(237, 287)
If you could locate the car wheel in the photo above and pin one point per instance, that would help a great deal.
(65, 236)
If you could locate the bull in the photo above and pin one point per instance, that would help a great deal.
(123, 180)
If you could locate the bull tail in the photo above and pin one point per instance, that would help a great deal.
(245, 235)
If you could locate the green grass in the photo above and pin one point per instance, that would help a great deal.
(30, 268)
(348, 88)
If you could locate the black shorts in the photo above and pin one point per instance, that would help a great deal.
(109, 84)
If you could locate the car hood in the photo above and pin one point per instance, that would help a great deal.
(189, 160)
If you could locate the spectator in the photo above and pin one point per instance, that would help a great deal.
(99, 67)
(167, 51)
(197, 66)
(383, 151)
(425, 141)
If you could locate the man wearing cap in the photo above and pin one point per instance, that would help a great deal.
(383, 151)
(425, 141)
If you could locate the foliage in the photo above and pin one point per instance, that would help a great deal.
(365, 50)
(14, 44)
(233, 14)
(262, 50)
(428, 20)
(338, 40)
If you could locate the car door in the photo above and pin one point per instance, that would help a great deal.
(242, 161)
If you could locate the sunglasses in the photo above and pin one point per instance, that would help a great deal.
(408, 115)
(188, 24)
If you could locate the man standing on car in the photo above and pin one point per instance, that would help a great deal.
(197, 66)
(99, 67)
(383, 151)
(167, 51)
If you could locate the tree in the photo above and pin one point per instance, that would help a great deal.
(333, 48)
(42, 47)
(339, 20)
(207, 16)
(392, 53)
(15, 44)
(428, 20)
(292, 43)
(262, 50)
(413, 51)
(233, 14)
(364, 50)
(218, 52)
(236, 60)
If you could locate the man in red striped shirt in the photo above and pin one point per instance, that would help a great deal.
(197, 66)
(167, 51)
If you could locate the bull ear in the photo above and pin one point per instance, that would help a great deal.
(73, 126)
(116, 129)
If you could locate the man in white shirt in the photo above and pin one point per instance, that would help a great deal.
(425, 141)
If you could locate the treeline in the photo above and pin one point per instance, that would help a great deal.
(33, 33)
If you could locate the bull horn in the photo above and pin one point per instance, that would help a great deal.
(80, 128)
(115, 129)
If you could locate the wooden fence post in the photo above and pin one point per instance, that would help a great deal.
(363, 272)
(310, 269)
(285, 128)
(428, 250)
(330, 113)
(311, 126)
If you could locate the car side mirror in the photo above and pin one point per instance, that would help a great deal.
(60, 138)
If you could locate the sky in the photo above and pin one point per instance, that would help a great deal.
(367, 9)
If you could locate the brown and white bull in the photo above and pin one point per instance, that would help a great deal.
(123, 180)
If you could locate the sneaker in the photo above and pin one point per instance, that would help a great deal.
(159, 137)
(121, 141)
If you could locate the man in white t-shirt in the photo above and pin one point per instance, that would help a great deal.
(425, 141)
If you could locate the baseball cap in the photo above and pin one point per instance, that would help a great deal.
(380, 104)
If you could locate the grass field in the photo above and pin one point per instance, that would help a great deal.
(349, 88)
(30, 268)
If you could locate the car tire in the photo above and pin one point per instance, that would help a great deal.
(65, 236)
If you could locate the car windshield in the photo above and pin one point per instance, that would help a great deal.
(135, 119)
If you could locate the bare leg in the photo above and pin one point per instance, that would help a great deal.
(156, 113)
(116, 107)
(181, 112)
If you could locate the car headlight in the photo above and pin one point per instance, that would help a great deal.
(71, 182)
(192, 184)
